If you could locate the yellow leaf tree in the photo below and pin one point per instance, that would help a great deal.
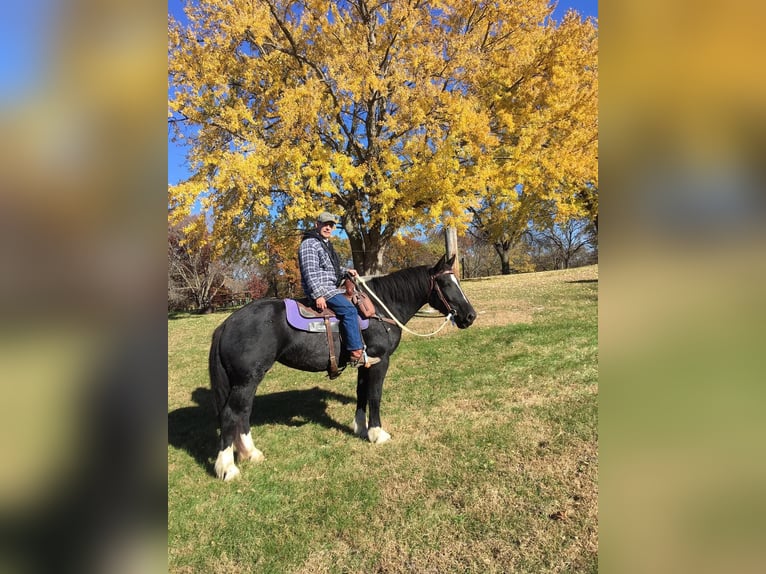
(392, 114)
(544, 105)
(504, 224)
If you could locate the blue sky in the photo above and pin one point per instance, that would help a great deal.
(176, 160)
(25, 29)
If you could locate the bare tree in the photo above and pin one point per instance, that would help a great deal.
(504, 225)
(194, 273)
(478, 258)
(560, 244)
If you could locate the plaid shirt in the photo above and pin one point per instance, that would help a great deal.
(317, 272)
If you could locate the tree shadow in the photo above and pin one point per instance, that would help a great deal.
(195, 429)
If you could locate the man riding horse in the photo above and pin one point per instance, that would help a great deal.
(254, 337)
(321, 273)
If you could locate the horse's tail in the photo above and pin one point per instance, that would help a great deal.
(219, 378)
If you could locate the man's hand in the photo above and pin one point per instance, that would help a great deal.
(352, 273)
(321, 304)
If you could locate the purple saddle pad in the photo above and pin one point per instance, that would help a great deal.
(295, 319)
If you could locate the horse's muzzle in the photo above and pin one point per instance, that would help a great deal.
(463, 322)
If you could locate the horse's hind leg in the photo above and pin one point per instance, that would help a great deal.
(225, 468)
(229, 424)
(243, 441)
(235, 431)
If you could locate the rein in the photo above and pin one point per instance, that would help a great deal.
(433, 285)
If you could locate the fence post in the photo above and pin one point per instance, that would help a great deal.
(450, 240)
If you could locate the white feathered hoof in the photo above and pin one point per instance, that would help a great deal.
(231, 473)
(253, 456)
(246, 449)
(377, 435)
(360, 424)
(225, 469)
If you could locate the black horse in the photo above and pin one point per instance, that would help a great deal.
(253, 338)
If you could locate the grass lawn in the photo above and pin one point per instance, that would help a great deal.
(492, 466)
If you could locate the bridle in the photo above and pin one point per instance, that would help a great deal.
(433, 286)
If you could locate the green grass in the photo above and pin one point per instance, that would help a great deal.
(492, 466)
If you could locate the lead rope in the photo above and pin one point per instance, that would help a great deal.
(363, 283)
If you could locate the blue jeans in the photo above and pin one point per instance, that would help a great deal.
(349, 321)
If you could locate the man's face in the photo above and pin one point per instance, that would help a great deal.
(326, 229)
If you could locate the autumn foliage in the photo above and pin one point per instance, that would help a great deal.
(392, 114)
(195, 274)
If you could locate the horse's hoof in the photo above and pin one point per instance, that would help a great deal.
(254, 456)
(225, 469)
(246, 449)
(231, 473)
(360, 424)
(377, 435)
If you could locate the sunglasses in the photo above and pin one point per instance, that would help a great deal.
(330, 223)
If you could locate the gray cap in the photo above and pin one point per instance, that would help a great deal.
(325, 216)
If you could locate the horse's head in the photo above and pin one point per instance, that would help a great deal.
(447, 296)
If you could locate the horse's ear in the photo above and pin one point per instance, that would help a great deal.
(443, 264)
(439, 265)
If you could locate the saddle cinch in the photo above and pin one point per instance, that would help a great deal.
(301, 315)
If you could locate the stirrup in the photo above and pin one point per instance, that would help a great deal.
(365, 361)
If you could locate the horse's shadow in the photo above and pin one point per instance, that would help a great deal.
(194, 429)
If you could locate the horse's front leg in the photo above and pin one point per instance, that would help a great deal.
(362, 392)
(375, 377)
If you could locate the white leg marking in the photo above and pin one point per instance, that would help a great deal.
(246, 449)
(225, 468)
(360, 424)
(377, 435)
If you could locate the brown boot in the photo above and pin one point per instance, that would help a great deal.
(359, 358)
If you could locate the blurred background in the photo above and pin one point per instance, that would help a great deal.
(82, 325)
(682, 313)
(82, 269)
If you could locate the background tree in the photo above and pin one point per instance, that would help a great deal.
(588, 198)
(477, 257)
(195, 273)
(560, 244)
(275, 248)
(545, 116)
(241, 273)
(544, 106)
(393, 114)
(406, 251)
(505, 224)
(256, 287)
(178, 299)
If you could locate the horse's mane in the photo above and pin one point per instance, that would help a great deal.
(406, 285)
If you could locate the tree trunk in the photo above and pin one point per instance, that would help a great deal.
(204, 304)
(357, 252)
(504, 252)
(366, 250)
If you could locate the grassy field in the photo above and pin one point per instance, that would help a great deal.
(492, 466)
